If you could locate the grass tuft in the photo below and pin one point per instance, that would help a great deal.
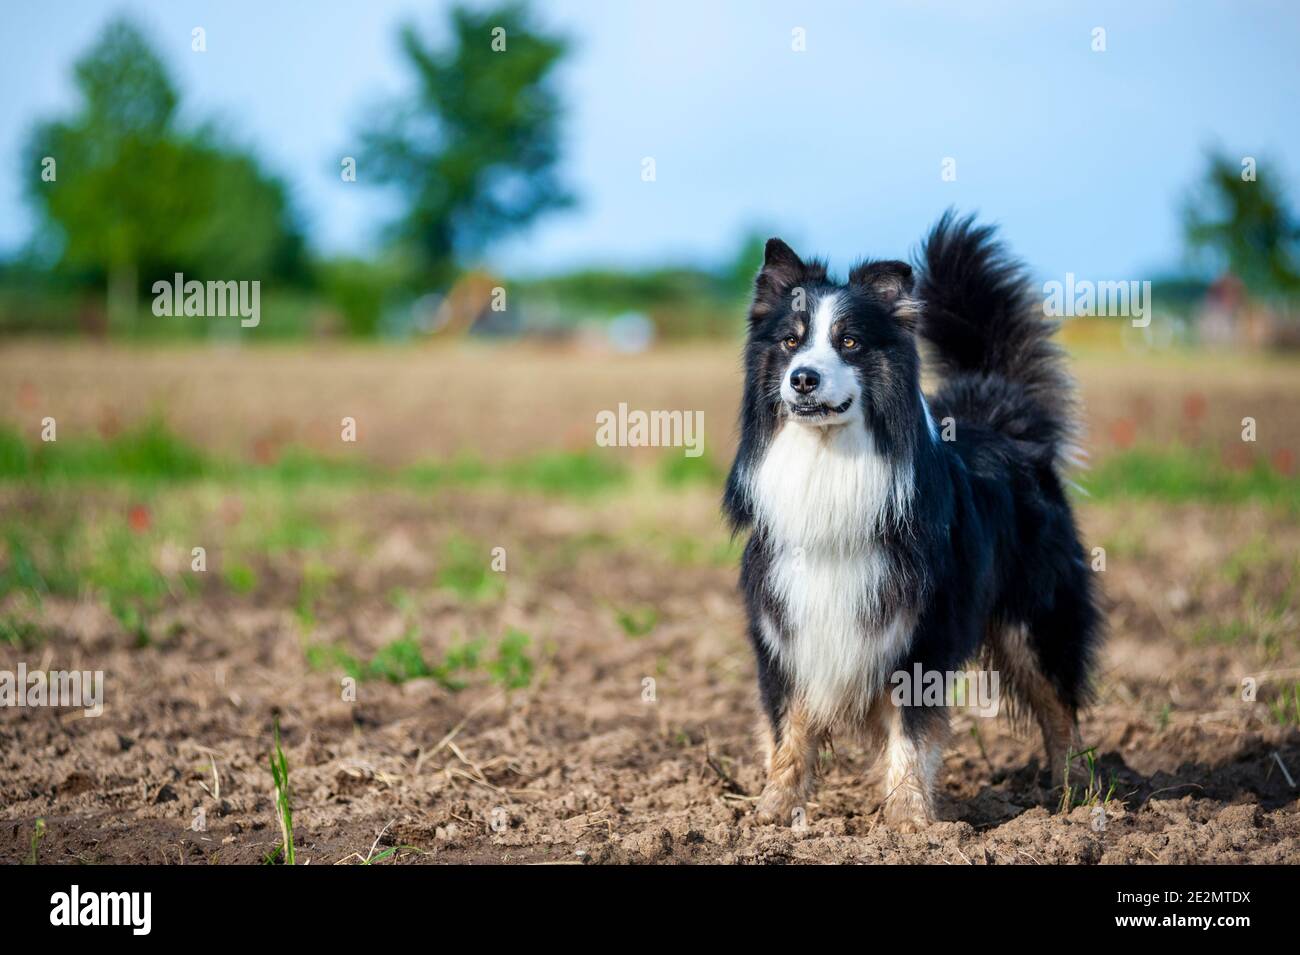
(403, 659)
(283, 803)
(676, 470)
(467, 573)
(1286, 708)
(637, 621)
(1091, 794)
(38, 833)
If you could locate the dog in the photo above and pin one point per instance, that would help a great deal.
(888, 529)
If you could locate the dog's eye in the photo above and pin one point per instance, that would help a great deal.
(791, 342)
(848, 342)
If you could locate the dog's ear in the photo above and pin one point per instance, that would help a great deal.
(782, 270)
(891, 283)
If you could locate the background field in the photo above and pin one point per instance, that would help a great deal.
(483, 637)
(503, 716)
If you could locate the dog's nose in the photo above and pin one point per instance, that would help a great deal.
(804, 380)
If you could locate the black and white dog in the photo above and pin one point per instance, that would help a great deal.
(881, 540)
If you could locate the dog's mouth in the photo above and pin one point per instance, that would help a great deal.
(817, 409)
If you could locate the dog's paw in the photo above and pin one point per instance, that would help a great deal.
(778, 806)
(907, 815)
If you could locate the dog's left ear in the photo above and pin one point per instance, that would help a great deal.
(891, 283)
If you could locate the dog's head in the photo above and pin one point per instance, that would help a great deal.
(827, 354)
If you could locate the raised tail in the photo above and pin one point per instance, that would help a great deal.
(992, 342)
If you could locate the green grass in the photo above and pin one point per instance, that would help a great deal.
(687, 550)
(399, 661)
(403, 659)
(1250, 560)
(461, 471)
(1286, 708)
(1090, 794)
(327, 656)
(121, 570)
(283, 802)
(676, 470)
(565, 472)
(20, 572)
(33, 852)
(460, 660)
(466, 571)
(18, 633)
(316, 577)
(1269, 628)
(297, 466)
(1162, 718)
(389, 852)
(1186, 475)
(239, 577)
(289, 529)
(151, 453)
(637, 621)
(43, 557)
(512, 668)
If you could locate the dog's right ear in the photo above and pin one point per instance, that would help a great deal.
(782, 270)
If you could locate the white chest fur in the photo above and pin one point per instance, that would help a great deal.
(822, 497)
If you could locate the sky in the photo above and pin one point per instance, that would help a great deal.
(1083, 157)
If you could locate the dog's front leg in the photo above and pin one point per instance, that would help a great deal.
(791, 764)
(916, 739)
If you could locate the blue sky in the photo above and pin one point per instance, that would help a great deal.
(1081, 156)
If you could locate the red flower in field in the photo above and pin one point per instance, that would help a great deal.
(1194, 406)
(139, 519)
(28, 396)
(1284, 461)
(1123, 432)
(264, 450)
(109, 424)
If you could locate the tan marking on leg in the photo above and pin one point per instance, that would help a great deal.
(1058, 723)
(791, 766)
(913, 763)
(874, 727)
(766, 742)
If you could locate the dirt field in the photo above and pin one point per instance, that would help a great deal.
(591, 701)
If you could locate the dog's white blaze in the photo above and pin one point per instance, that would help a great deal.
(823, 495)
(839, 380)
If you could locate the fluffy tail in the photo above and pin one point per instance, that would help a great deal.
(991, 341)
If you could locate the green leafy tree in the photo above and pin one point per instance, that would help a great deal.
(134, 197)
(1244, 225)
(473, 150)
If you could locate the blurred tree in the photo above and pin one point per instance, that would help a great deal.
(473, 150)
(1245, 226)
(737, 276)
(135, 197)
